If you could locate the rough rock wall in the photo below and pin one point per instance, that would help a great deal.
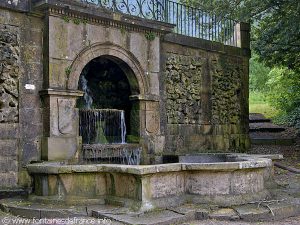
(226, 75)
(183, 88)
(20, 115)
(9, 73)
(205, 99)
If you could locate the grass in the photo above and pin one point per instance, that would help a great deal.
(258, 104)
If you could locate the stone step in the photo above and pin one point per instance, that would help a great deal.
(258, 118)
(9, 193)
(265, 127)
(272, 141)
(267, 212)
(28, 209)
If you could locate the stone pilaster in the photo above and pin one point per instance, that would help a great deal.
(61, 139)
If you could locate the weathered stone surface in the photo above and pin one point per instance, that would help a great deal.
(224, 214)
(183, 76)
(9, 179)
(241, 180)
(208, 183)
(10, 71)
(167, 185)
(9, 148)
(226, 76)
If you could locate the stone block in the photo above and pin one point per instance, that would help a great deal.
(58, 38)
(173, 129)
(8, 179)
(123, 185)
(57, 75)
(206, 183)
(30, 101)
(97, 33)
(31, 150)
(26, 212)
(152, 122)
(9, 148)
(224, 214)
(138, 41)
(167, 185)
(117, 37)
(243, 182)
(154, 56)
(8, 165)
(32, 54)
(159, 144)
(9, 131)
(80, 185)
(60, 148)
(100, 188)
(219, 143)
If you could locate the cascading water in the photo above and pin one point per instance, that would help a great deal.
(87, 93)
(103, 133)
(102, 126)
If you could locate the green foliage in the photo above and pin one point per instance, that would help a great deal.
(291, 119)
(258, 103)
(68, 71)
(150, 36)
(123, 30)
(275, 23)
(284, 85)
(258, 75)
(76, 21)
(66, 18)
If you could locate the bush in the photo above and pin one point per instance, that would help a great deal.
(284, 94)
(284, 89)
(258, 75)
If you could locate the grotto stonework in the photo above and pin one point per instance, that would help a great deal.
(9, 74)
(226, 90)
(183, 86)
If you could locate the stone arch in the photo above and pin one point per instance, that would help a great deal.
(125, 59)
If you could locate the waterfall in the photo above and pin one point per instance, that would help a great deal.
(123, 128)
(129, 154)
(102, 126)
(87, 93)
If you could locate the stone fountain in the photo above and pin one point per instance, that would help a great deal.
(103, 133)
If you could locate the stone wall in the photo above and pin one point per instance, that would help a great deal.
(183, 88)
(9, 74)
(205, 100)
(21, 77)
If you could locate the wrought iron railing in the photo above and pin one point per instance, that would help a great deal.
(189, 21)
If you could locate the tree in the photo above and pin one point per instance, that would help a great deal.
(276, 26)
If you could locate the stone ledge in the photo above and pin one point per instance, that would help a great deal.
(61, 92)
(206, 45)
(62, 168)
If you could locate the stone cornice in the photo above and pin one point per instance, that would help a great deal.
(90, 14)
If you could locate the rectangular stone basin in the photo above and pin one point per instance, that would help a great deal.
(236, 180)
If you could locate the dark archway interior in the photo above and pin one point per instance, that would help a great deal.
(108, 86)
